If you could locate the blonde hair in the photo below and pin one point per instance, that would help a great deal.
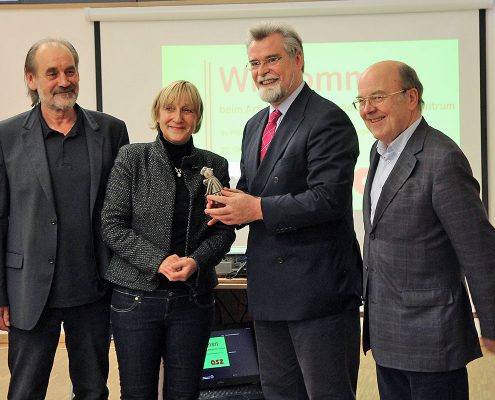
(173, 92)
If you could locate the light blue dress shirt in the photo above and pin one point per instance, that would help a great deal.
(284, 106)
(388, 157)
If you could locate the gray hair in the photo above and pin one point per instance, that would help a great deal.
(292, 41)
(30, 63)
(409, 79)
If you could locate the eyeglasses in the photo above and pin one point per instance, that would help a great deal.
(374, 100)
(254, 65)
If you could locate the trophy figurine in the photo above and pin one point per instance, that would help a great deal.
(213, 185)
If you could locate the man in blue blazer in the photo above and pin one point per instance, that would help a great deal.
(54, 164)
(303, 261)
(426, 231)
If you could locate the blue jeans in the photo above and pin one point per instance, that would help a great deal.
(170, 324)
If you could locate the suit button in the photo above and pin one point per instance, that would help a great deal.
(372, 236)
(366, 267)
(51, 261)
(53, 221)
(275, 179)
(280, 260)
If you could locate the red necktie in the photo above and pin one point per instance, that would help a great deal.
(269, 131)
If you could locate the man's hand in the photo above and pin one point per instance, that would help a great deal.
(234, 207)
(4, 318)
(489, 344)
(211, 204)
(177, 268)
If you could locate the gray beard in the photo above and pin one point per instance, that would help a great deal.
(271, 94)
(64, 104)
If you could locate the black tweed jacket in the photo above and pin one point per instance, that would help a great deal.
(138, 211)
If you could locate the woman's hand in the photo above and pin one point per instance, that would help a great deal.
(177, 268)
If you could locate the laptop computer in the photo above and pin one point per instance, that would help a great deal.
(230, 370)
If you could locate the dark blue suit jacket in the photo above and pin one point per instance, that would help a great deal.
(303, 259)
(28, 230)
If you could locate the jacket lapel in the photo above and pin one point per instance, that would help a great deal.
(401, 171)
(34, 146)
(95, 148)
(375, 157)
(192, 165)
(251, 153)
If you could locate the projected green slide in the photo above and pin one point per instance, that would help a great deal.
(217, 355)
(331, 69)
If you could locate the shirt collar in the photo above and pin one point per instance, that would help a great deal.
(284, 106)
(75, 130)
(395, 148)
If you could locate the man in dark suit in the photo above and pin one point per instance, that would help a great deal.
(303, 261)
(426, 232)
(54, 164)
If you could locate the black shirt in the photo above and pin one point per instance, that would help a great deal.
(76, 281)
(176, 153)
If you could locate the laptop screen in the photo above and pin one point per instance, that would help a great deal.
(230, 359)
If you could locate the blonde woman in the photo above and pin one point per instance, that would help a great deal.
(163, 268)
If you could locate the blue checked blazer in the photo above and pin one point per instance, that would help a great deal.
(430, 232)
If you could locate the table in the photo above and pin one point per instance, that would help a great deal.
(234, 283)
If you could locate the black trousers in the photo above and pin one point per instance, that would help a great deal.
(396, 384)
(87, 337)
(315, 359)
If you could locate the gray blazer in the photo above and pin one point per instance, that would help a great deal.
(429, 233)
(138, 211)
(303, 260)
(28, 217)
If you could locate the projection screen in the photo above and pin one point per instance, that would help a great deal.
(143, 49)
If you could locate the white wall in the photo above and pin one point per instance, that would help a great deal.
(19, 29)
